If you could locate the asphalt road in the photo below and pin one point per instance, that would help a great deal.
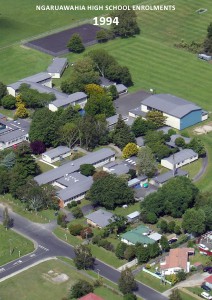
(48, 245)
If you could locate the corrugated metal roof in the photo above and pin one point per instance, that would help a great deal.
(60, 150)
(180, 156)
(100, 217)
(57, 65)
(69, 99)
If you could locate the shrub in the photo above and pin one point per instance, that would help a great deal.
(9, 102)
(171, 132)
(80, 289)
(87, 169)
(72, 204)
(61, 220)
(75, 229)
(77, 212)
(86, 233)
(148, 266)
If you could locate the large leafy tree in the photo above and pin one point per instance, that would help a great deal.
(129, 150)
(75, 44)
(194, 221)
(83, 257)
(146, 163)
(127, 282)
(110, 191)
(157, 118)
(121, 134)
(141, 126)
(102, 60)
(80, 289)
(142, 253)
(197, 146)
(3, 90)
(100, 104)
(69, 134)
(127, 26)
(8, 102)
(208, 40)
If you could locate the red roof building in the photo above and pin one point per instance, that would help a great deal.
(91, 296)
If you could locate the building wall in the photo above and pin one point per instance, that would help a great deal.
(47, 82)
(81, 102)
(170, 166)
(144, 108)
(11, 91)
(14, 142)
(171, 271)
(52, 107)
(103, 162)
(126, 242)
(190, 119)
(205, 117)
(172, 121)
(52, 160)
(89, 222)
(55, 75)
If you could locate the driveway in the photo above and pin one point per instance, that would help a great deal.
(202, 170)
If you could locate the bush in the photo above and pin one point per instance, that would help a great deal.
(181, 276)
(106, 245)
(61, 220)
(75, 229)
(171, 132)
(77, 212)
(87, 169)
(151, 218)
(86, 233)
(130, 296)
(148, 266)
(9, 102)
(172, 278)
(72, 204)
(96, 239)
(37, 147)
(80, 289)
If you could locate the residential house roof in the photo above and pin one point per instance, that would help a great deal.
(155, 236)
(68, 99)
(60, 150)
(14, 130)
(91, 296)
(11, 135)
(57, 65)
(177, 258)
(209, 279)
(174, 137)
(181, 156)
(168, 175)
(114, 119)
(105, 82)
(100, 217)
(133, 215)
(137, 111)
(170, 104)
(138, 235)
(73, 166)
(75, 189)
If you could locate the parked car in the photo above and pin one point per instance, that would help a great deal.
(206, 295)
(208, 269)
(203, 247)
(173, 240)
(158, 273)
(205, 287)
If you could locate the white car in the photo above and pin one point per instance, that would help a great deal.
(206, 295)
(203, 247)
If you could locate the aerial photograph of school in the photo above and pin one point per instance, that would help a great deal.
(106, 150)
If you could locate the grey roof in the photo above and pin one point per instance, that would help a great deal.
(71, 179)
(140, 141)
(119, 169)
(60, 150)
(100, 217)
(121, 88)
(76, 189)
(69, 99)
(19, 123)
(131, 160)
(129, 121)
(168, 175)
(105, 82)
(14, 134)
(164, 129)
(58, 64)
(174, 137)
(137, 111)
(39, 77)
(170, 104)
(114, 119)
(74, 166)
(180, 156)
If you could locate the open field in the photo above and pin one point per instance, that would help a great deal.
(10, 245)
(40, 286)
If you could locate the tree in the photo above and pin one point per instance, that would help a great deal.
(4, 180)
(208, 39)
(6, 219)
(129, 253)
(61, 220)
(103, 36)
(171, 226)
(21, 111)
(75, 229)
(119, 74)
(3, 90)
(120, 250)
(126, 282)
(141, 126)
(80, 289)
(127, 26)
(151, 218)
(83, 257)
(146, 163)
(194, 221)
(129, 150)
(102, 60)
(163, 225)
(110, 191)
(100, 104)
(154, 250)
(142, 253)
(121, 134)
(180, 142)
(113, 92)
(156, 117)
(87, 169)
(37, 147)
(77, 212)
(130, 296)
(175, 295)
(94, 89)
(86, 233)
(9, 160)
(8, 102)
(75, 44)
(99, 174)
(69, 134)
(164, 243)
(197, 146)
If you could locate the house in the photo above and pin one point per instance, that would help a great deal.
(111, 121)
(42, 78)
(56, 154)
(74, 188)
(137, 235)
(78, 98)
(99, 218)
(137, 182)
(155, 236)
(173, 138)
(104, 82)
(116, 168)
(13, 132)
(133, 217)
(179, 112)
(179, 159)
(91, 296)
(137, 112)
(57, 67)
(208, 281)
(97, 159)
(121, 89)
(163, 178)
(177, 260)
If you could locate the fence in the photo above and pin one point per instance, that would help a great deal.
(128, 265)
(157, 276)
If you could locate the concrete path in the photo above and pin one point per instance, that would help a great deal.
(202, 170)
(117, 150)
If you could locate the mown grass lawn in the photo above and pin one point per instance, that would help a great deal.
(10, 245)
(186, 296)
(43, 166)
(193, 168)
(152, 281)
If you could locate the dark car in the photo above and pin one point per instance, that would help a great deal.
(205, 287)
(208, 269)
(158, 273)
